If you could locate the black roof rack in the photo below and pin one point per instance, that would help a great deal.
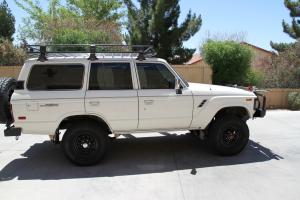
(143, 51)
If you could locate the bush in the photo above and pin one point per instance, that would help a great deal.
(230, 61)
(10, 55)
(294, 100)
(253, 78)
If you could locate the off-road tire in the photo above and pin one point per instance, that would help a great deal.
(85, 143)
(7, 86)
(225, 128)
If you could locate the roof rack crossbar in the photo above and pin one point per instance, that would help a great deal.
(143, 51)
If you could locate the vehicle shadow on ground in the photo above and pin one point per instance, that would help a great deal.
(130, 156)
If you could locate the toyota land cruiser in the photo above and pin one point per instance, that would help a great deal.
(87, 97)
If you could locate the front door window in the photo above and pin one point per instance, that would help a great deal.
(155, 76)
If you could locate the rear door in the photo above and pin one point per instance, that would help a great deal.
(159, 105)
(111, 94)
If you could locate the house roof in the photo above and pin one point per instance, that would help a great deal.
(196, 58)
(256, 47)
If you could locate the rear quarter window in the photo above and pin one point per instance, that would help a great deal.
(56, 77)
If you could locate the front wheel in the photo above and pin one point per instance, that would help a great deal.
(228, 135)
(85, 143)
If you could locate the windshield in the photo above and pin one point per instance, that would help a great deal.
(185, 82)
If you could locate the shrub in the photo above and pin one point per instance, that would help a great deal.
(230, 61)
(294, 100)
(253, 78)
(11, 55)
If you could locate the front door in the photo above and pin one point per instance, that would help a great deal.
(159, 105)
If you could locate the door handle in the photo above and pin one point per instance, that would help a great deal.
(49, 105)
(94, 103)
(149, 102)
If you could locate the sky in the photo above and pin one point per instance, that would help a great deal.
(258, 20)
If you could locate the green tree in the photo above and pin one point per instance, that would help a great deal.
(281, 47)
(230, 61)
(155, 22)
(78, 21)
(292, 30)
(7, 25)
(87, 31)
(108, 10)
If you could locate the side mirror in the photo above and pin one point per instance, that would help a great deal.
(178, 86)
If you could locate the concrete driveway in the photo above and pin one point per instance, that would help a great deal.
(160, 166)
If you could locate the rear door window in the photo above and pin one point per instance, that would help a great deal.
(56, 77)
(110, 76)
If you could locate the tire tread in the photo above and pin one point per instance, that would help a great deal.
(6, 86)
(215, 130)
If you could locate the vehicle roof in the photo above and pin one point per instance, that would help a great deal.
(84, 58)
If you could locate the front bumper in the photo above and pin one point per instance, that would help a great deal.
(260, 105)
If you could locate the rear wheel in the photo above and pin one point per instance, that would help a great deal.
(228, 135)
(7, 86)
(85, 143)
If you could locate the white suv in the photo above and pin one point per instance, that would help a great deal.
(87, 99)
